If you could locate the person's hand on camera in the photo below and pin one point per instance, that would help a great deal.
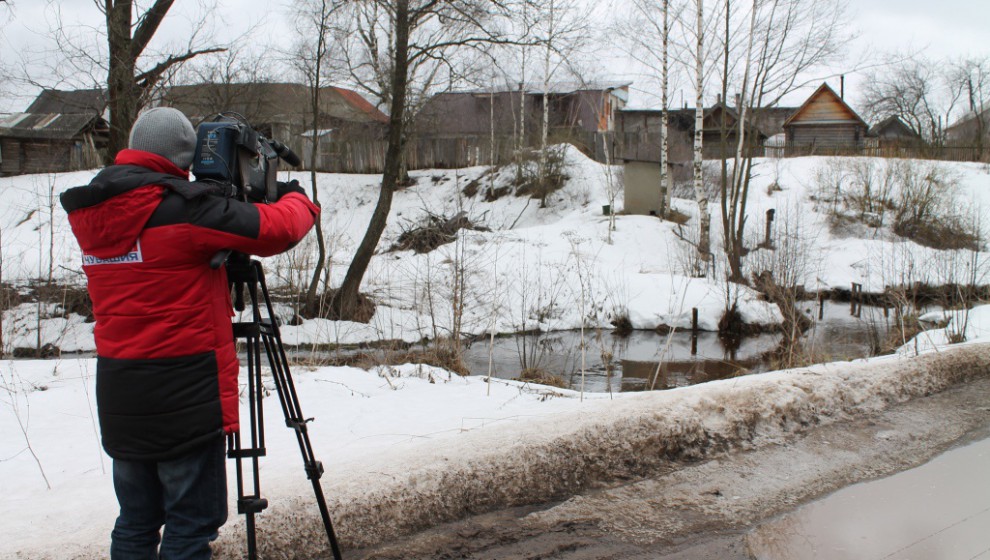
(292, 186)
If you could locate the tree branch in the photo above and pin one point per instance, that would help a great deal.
(148, 78)
(147, 26)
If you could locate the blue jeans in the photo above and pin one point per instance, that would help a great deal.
(188, 495)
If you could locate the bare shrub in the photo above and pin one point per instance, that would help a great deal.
(795, 354)
(540, 181)
(782, 273)
(829, 180)
(871, 185)
(926, 206)
(432, 232)
(687, 260)
(920, 196)
(443, 354)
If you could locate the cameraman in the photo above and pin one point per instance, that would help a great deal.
(166, 382)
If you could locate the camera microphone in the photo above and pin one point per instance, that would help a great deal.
(285, 153)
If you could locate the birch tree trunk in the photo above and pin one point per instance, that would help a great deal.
(704, 216)
(544, 175)
(665, 190)
(522, 93)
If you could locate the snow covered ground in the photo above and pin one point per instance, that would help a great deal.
(537, 267)
(412, 445)
(425, 442)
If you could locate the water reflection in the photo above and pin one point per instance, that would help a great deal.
(629, 363)
(646, 360)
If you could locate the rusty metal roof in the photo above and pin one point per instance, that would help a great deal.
(47, 126)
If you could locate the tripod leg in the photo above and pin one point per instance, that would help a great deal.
(289, 400)
(250, 504)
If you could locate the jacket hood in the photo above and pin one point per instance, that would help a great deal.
(107, 215)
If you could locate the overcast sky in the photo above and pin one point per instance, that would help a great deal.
(938, 29)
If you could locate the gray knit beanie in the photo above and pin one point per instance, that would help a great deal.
(167, 132)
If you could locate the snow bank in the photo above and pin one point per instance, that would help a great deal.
(412, 446)
(963, 325)
(520, 464)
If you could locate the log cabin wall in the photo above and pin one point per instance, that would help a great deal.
(825, 121)
(848, 135)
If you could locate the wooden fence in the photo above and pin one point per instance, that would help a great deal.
(646, 147)
(368, 156)
(882, 149)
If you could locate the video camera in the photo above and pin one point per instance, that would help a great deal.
(229, 151)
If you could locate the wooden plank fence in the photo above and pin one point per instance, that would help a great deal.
(646, 147)
(368, 156)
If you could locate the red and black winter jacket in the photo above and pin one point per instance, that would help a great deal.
(166, 362)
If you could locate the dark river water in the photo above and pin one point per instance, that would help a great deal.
(645, 360)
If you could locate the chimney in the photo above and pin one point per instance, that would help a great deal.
(718, 99)
(842, 86)
(737, 100)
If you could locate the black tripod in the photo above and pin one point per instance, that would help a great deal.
(243, 272)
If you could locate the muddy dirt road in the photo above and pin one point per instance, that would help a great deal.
(707, 509)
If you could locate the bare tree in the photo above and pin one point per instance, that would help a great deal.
(784, 42)
(561, 29)
(6, 14)
(127, 39)
(972, 76)
(418, 42)
(315, 23)
(915, 90)
(232, 80)
(666, 189)
(648, 23)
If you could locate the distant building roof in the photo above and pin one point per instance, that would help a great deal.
(47, 126)
(770, 120)
(824, 106)
(890, 127)
(357, 101)
(80, 101)
(555, 88)
(984, 113)
(684, 119)
(270, 101)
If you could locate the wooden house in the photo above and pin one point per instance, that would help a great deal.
(892, 131)
(973, 129)
(60, 131)
(76, 102)
(639, 138)
(283, 111)
(576, 113)
(276, 107)
(639, 131)
(825, 123)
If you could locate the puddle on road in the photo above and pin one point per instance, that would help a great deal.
(938, 511)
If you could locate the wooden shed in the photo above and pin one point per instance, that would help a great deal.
(825, 123)
(50, 142)
(893, 130)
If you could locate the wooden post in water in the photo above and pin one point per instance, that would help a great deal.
(855, 303)
(821, 307)
(694, 331)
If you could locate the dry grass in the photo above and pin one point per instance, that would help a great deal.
(676, 217)
(542, 377)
